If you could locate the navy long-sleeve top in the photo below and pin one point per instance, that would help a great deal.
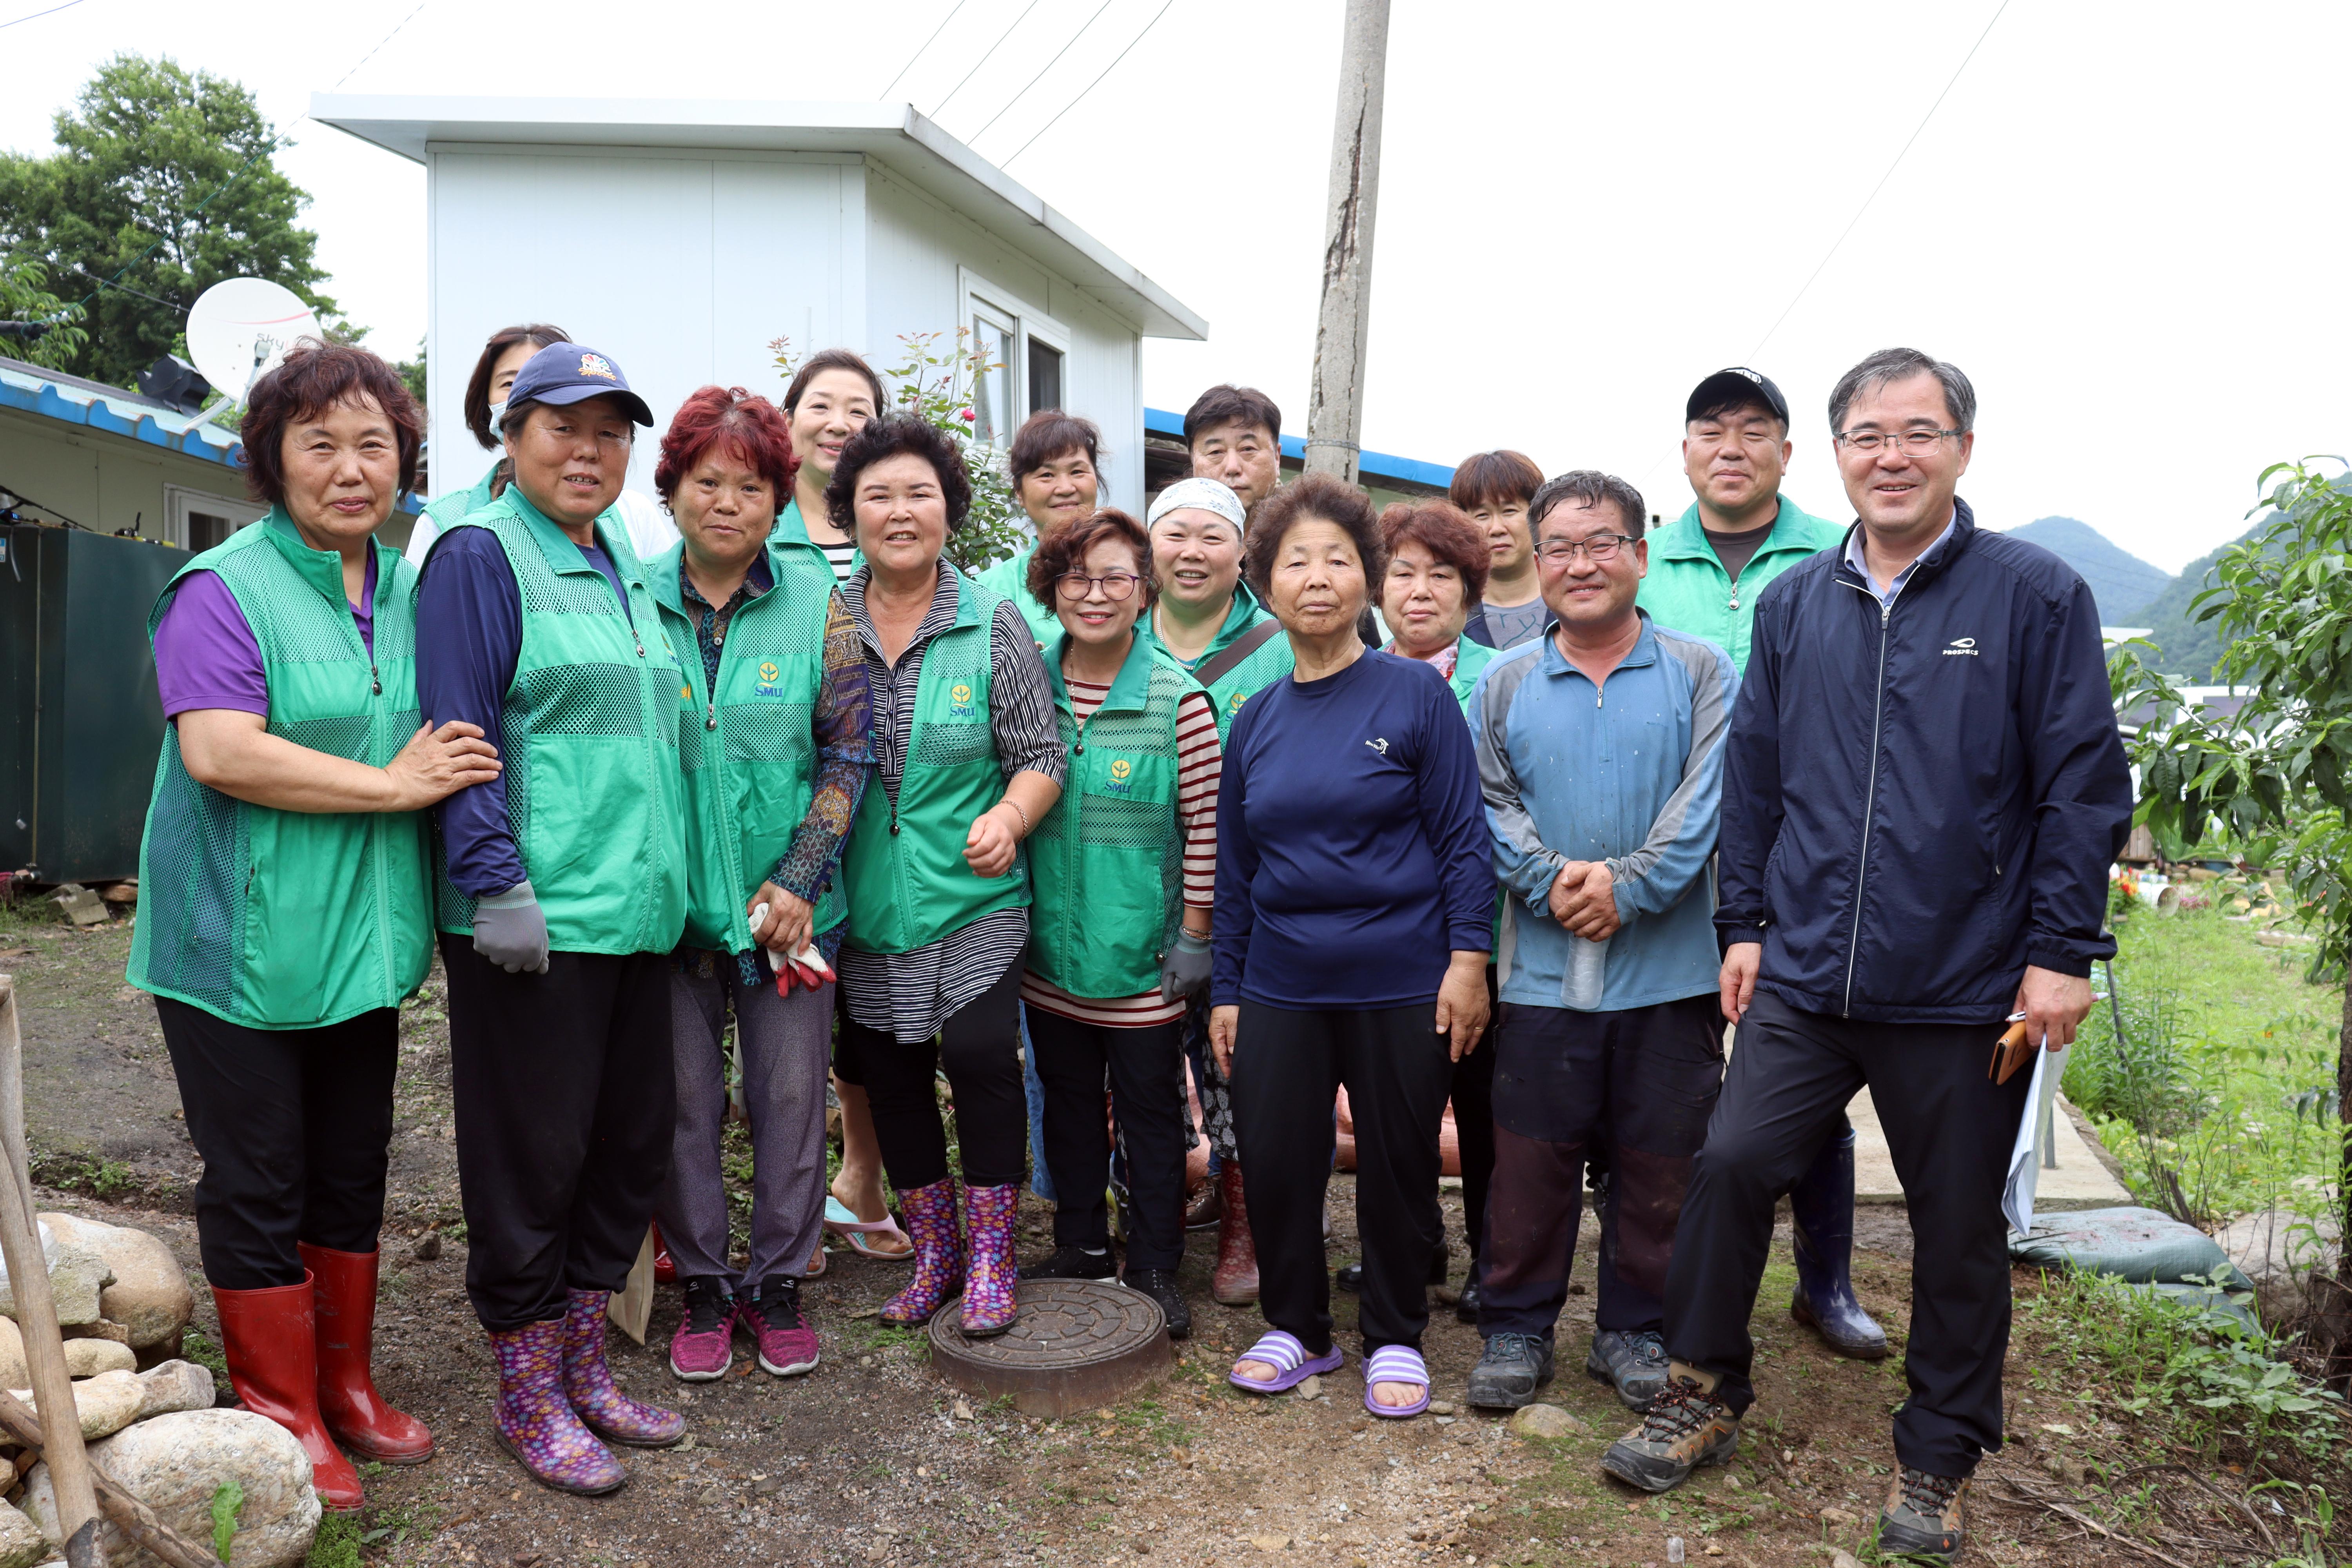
(468, 635)
(1353, 859)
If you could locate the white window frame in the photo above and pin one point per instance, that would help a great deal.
(1028, 323)
(178, 500)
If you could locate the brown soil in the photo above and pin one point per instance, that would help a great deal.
(871, 1459)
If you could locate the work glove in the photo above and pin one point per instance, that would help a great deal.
(510, 930)
(1185, 972)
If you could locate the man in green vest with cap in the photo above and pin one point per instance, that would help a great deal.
(1707, 569)
(563, 891)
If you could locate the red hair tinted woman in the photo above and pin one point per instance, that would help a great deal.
(776, 749)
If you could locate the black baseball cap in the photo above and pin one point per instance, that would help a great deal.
(568, 372)
(1725, 389)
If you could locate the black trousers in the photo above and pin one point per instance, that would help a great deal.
(1473, 1094)
(293, 1125)
(1638, 1083)
(1287, 1069)
(567, 1106)
(980, 1047)
(1949, 1127)
(1146, 1069)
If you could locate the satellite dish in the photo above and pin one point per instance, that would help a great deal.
(240, 328)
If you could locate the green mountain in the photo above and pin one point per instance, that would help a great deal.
(2187, 648)
(2122, 583)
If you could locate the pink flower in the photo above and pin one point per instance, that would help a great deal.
(965, 414)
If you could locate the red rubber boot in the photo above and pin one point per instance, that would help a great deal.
(271, 1345)
(355, 1413)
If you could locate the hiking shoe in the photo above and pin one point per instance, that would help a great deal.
(1349, 1277)
(1466, 1306)
(787, 1343)
(1073, 1263)
(1682, 1429)
(1507, 1375)
(1634, 1364)
(1159, 1284)
(704, 1344)
(1922, 1517)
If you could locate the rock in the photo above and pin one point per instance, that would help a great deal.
(1268, 1544)
(98, 1329)
(106, 1404)
(428, 1247)
(1310, 1387)
(22, 1544)
(1442, 1407)
(1544, 1421)
(87, 1358)
(150, 1295)
(174, 1464)
(174, 1386)
(14, 1371)
(1840, 1518)
(76, 1278)
(1844, 1560)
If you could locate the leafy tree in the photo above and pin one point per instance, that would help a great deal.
(35, 324)
(412, 373)
(2276, 777)
(166, 176)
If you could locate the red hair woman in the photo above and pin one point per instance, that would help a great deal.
(775, 750)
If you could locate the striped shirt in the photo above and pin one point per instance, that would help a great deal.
(910, 995)
(841, 558)
(1200, 763)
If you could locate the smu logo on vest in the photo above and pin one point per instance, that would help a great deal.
(1960, 645)
(768, 675)
(1121, 772)
(1233, 703)
(959, 701)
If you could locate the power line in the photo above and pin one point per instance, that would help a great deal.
(984, 59)
(1099, 80)
(927, 44)
(1033, 80)
(380, 44)
(36, 16)
(1849, 228)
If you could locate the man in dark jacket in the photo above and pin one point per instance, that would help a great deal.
(1923, 789)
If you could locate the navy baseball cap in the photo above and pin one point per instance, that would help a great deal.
(568, 372)
(1725, 389)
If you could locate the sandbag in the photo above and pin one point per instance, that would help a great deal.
(2135, 1244)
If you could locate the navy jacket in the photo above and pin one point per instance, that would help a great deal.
(1919, 802)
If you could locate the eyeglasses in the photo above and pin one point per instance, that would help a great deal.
(1868, 442)
(1598, 548)
(1116, 585)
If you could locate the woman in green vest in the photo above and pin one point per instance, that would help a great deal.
(776, 747)
(294, 776)
(1124, 872)
(562, 893)
(1438, 565)
(969, 760)
(503, 359)
(1053, 465)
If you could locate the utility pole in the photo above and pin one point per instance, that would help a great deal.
(1335, 406)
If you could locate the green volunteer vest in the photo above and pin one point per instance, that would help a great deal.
(1107, 863)
(1010, 578)
(909, 882)
(746, 753)
(292, 920)
(448, 511)
(1470, 661)
(1266, 665)
(594, 791)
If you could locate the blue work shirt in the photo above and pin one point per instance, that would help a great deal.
(1631, 773)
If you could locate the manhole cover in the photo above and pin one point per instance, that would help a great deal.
(1078, 1343)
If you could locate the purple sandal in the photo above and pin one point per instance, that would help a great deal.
(1396, 1364)
(1290, 1360)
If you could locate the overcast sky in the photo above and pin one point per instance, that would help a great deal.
(2125, 223)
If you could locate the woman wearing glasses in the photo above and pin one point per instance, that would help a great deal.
(1125, 876)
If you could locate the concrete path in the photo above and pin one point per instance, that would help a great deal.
(2080, 1182)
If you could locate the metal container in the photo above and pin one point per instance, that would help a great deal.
(80, 723)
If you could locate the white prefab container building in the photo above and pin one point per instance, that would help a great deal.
(681, 237)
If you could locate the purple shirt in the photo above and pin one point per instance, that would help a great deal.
(206, 654)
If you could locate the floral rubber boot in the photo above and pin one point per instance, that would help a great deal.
(932, 1226)
(588, 1382)
(535, 1421)
(994, 1273)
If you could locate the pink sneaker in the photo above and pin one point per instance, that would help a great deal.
(787, 1343)
(704, 1346)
